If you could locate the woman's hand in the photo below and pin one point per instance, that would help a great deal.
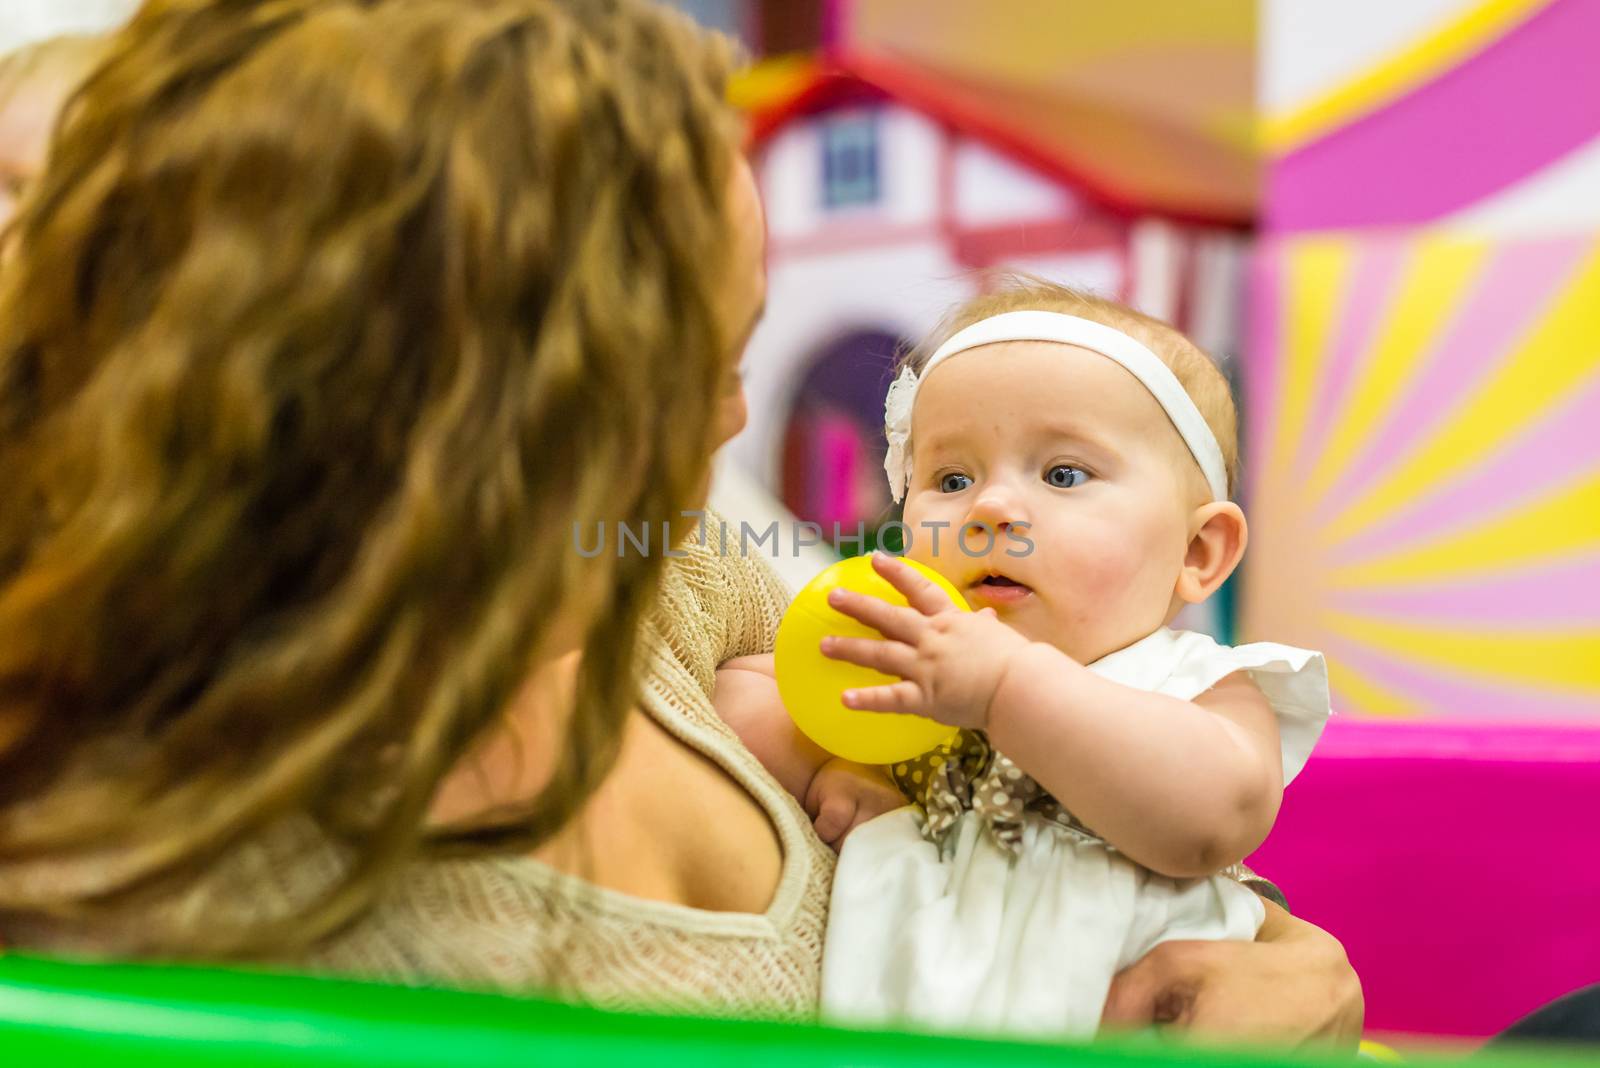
(844, 795)
(950, 662)
(1292, 986)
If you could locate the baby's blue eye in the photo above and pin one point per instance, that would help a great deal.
(1064, 476)
(954, 483)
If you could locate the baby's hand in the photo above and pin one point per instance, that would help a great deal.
(844, 795)
(950, 662)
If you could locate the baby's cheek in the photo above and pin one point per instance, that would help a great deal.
(947, 562)
(1100, 603)
(1101, 566)
(931, 540)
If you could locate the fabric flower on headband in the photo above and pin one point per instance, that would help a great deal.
(897, 429)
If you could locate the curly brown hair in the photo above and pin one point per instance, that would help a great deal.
(325, 325)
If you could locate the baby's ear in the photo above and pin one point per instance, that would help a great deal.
(1216, 543)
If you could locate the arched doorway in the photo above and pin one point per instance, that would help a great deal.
(833, 443)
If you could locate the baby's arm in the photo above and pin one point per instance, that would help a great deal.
(1185, 788)
(838, 794)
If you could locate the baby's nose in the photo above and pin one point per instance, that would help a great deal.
(996, 509)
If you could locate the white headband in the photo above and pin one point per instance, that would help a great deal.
(1143, 364)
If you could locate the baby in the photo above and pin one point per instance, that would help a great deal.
(35, 82)
(1065, 462)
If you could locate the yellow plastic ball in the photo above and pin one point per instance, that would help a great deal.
(812, 685)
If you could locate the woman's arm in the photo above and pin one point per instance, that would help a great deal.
(1293, 985)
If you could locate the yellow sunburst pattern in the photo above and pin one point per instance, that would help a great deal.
(1423, 427)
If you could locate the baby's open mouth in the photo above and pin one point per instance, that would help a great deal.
(999, 590)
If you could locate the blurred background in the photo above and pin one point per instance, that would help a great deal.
(1383, 218)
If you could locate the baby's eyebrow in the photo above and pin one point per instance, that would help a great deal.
(943, 447)
(1093, 446)
(1077, 435)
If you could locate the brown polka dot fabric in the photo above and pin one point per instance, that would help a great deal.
(968, 773)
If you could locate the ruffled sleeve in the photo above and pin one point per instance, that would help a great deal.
(1295, 682)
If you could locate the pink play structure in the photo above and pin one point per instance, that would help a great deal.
(1458, 863)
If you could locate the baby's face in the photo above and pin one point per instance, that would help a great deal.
(1069, 443)
(25, 121)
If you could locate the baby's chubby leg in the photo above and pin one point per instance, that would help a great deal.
(838, 794)
(746, 698)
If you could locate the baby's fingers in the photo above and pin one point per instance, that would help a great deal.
(919, 593)
(891, 658)
(890, 620)
(904, 696)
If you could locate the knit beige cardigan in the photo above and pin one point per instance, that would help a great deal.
(516, 924)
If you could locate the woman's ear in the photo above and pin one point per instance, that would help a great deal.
(1216, 543)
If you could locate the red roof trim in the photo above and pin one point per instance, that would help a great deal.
(827, 88)
(852, 77)
(990, 245)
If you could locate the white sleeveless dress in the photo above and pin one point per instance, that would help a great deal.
(1016, 923)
